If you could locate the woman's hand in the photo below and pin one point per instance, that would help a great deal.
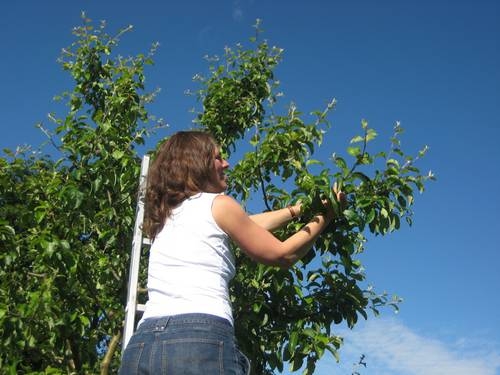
(340, 203)
(341, 197)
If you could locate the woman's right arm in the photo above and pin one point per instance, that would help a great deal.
(260, 244)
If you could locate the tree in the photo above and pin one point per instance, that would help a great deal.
(66, 223)
(288, 315)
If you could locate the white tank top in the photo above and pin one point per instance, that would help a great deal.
(190, 263)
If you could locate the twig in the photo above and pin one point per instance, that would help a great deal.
(49, 136)
(113, 344)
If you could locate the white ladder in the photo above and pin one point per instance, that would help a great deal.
(132, 307)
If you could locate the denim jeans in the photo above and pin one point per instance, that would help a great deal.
(188, 344)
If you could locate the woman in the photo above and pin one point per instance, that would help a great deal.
(187, 327)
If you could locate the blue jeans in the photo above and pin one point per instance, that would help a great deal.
(188, 344)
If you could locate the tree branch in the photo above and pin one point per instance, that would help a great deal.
(113, 344)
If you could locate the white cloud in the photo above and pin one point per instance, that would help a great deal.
(392, 348)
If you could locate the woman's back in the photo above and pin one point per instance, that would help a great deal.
(190, 263)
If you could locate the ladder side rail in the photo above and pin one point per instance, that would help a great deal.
(137, 241)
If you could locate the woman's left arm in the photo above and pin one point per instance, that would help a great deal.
(272, 220)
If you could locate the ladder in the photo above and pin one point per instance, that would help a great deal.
(132, 307)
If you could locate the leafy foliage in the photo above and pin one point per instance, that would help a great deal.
(66, 222)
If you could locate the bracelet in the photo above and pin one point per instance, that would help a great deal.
(292, 212)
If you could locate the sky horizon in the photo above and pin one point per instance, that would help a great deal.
(432, 65)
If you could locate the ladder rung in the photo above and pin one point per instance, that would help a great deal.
(141, 307)
(146, 241)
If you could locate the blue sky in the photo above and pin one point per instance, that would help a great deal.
(432, 65)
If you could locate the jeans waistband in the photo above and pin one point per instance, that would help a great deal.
(194, 318)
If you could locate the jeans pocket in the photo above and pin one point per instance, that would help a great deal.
(193, 356)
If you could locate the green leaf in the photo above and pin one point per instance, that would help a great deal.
(117, 154)
(371, 135)
(384, 212)
(393, 163)
(341, 163)
(40, 213)
(371, 216)
(401, 201)
(357, 139)
(294, 338)
(354, 151)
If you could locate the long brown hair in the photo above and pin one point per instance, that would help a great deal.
(182, 167)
